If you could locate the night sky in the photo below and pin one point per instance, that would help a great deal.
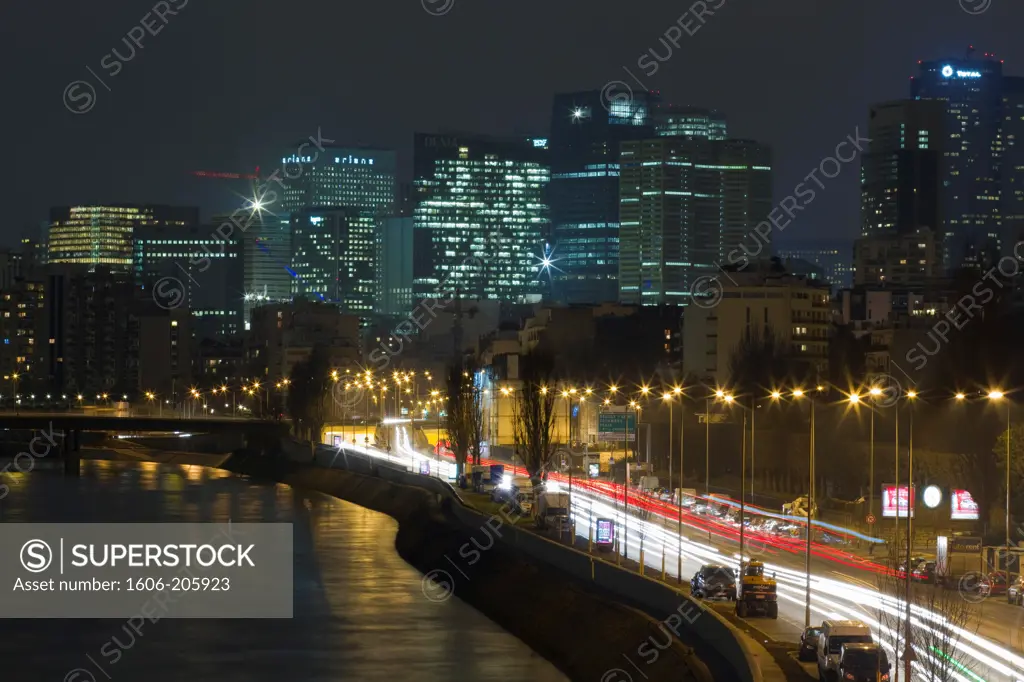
(229, 85)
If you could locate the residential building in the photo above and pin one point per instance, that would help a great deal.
(284, 334)
(758, 301)
(898, 260)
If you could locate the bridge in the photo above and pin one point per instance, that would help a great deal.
(69, 425)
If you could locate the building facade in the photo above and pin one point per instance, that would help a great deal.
(351, 177)
(686, 206)
(584, 192)
(104, 234)
(897, 260)
(758, 301)
(394, 266)
(480, 216)
(334, 254)
(834, 259)
(208, 269)
(673, 120)
(984, 116)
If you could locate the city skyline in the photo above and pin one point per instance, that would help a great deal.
(798, 97)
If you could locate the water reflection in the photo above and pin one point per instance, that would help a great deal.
(359, 610)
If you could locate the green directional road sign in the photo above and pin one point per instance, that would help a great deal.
(616, 426)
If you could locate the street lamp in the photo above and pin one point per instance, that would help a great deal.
(798, 394)
(996, 395)
(908, 652)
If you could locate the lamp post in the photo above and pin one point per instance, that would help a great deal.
(799, 394)
(874, 392)
(908, 652)
(996, 396)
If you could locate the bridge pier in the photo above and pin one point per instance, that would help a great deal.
(72, 452)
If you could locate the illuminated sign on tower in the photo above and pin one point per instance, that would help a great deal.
(948, 72)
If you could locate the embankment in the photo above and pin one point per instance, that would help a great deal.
(588, 636)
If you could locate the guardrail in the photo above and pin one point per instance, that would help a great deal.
(656, 599)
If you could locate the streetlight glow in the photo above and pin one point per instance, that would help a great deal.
(996, 395)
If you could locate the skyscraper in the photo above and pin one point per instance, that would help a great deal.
(982, 113)
(208, 268)
(334, 257)
(266, 248)
(673, 120)
(685, 206)
(902, 168)
(586, 132)
(351, 177)
(103, 234)
(480, 214)
(394, 266)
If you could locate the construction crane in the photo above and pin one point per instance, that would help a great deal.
(227, 176)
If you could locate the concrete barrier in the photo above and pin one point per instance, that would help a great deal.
(659, 601)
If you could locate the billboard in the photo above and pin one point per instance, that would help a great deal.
(891, 497)
(616, 426)
(605, 532)
(962, 506)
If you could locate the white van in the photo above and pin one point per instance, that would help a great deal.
(834, 634)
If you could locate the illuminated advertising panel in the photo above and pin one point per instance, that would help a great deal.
(962, 506)
(896, 502)
(605, 532)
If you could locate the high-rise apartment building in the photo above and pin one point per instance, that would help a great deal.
(686, 207)
(334, 254)
(480, 216)
(104, 234)
(983, 160)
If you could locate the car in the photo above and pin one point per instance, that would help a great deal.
(996, 583)
(834, 635)
(809, 644)
(714, 581)
(863, 661)
(1015, 591)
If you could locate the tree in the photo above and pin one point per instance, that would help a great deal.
(533, 412)
(761, 361)
(997, 508)
(464, 412)
(308, 388)
(936, 644)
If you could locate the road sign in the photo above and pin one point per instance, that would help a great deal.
(871, 519)
(616, 426)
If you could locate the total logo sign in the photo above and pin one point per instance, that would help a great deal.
(948, 72)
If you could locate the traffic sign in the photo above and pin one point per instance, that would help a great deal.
(871, 519)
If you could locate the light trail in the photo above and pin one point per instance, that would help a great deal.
(984, 660)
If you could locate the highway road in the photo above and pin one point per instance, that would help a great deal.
(986, 645)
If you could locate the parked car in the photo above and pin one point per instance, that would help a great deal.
(714, 581)
(1015, 591)
(996, 583)
(809, 644)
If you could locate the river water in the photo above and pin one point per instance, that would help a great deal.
(360, 612)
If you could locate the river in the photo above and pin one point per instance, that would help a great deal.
(360, 612)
